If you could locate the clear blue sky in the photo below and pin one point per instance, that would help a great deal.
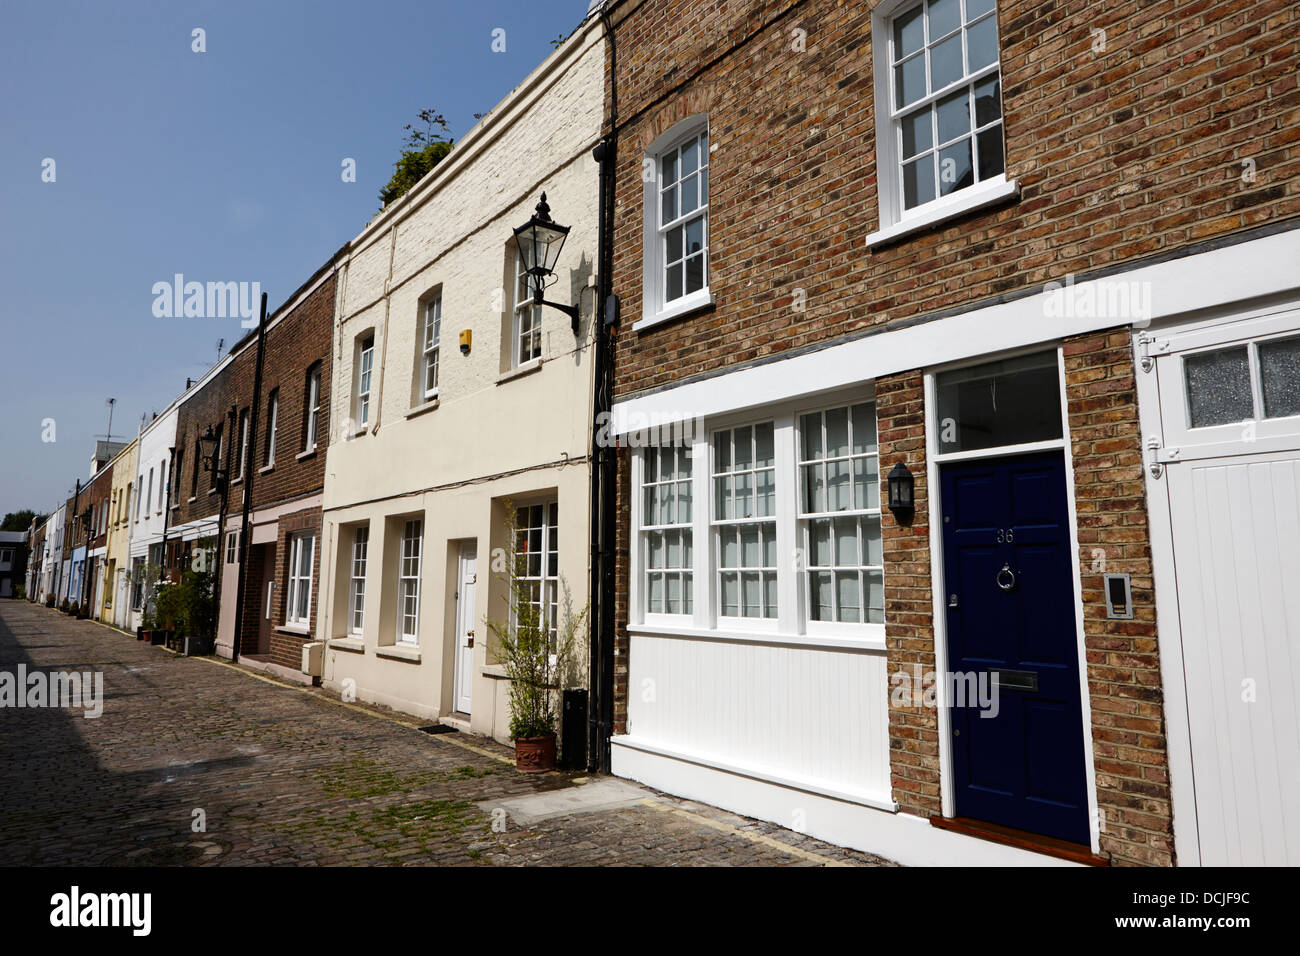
(222, 165)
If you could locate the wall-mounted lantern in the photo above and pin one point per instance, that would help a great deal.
(208, 445)
(901, 500)
(539, 241)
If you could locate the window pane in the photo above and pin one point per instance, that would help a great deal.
(945, 16)
(674, 282)
(814, 488)
(669, 167)
(837, 432)
(954, 115)
(673, 603)
(982, 43)
(990, 150)
(690, 195)
(819, 543)
(988, 100)
(917, 131)
(909, 32)
(846, 542)
(751, 594)
(1010, 402)
(848, 596)
(975, 8)
(909, 81)
(918, 181)
(730, 596)
(655, 542)
(864, 429)
(670, 205)
(1279, 367)
(1218, 387)
(730, 556)
(743, 447)
(945, 63)
(656, 594)
(810, 430)
(695, 273)
(837, 485)
(765, 494)
(690, 157)
(819, 598)
(694, 236)
(875, 596)
(683, 502)
(763, 442)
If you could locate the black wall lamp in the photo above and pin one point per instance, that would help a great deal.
(540, 240)
(901, 486)
(209, 443)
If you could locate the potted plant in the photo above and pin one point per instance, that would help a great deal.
(536, 653)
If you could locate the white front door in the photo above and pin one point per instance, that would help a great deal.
(467, 582)
(1230, 453)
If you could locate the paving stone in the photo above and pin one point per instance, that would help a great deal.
(290, 776)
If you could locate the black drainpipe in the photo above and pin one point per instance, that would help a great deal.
(600, 719)
(249, 470)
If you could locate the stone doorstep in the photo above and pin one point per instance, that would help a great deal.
(276, 670)
(606, 794)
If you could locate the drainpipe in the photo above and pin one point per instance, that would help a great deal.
(250, 471)
(600, 717)
(72, 530)
(220, 555)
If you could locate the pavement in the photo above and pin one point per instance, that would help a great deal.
(198, 762)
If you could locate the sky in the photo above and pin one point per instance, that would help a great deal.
(225, 165)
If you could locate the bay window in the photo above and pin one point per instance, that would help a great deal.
(790, 508)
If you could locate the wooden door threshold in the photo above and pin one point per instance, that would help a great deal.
(1021, 839)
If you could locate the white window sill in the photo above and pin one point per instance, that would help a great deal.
(266, 469)
(872, 639)
(988, 193)
(309, 453)
(353, 644)
(525, 369)
(703, 299)
(400, 652)
(423, 407)
(300, 629)
(495, 671)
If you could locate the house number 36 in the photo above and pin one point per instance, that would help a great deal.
(1006, 534)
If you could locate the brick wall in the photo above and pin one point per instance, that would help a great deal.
(909, 608)
(286, 648)
(1120, 155)
(1128, 729)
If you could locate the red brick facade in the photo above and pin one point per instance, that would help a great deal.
(1178, 126)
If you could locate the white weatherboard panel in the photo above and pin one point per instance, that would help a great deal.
(1236, 531)
(816, 717)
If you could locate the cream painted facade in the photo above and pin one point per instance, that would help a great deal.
(495, 432)
(115, 592)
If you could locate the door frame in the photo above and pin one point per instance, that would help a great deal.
(1178, 731)
(456, 652)
(933, 461)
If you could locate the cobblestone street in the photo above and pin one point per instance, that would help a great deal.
(289, 775)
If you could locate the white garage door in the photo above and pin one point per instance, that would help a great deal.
(1230, 433)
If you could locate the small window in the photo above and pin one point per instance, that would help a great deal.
(243, 441)
(313, 408)
(302, 553)
(149, 500)
(1010, 402)
(408, 584)
(232, 546)
(365, 372)
(1220, 383)
(683, 217)
(839, 505)
(162, 485)
(667, 545)
(537, 559)
(357, 581)
(180, 461)
(430, 348)
(272, 421)
(939, 84)
(744, 521)
(527, 337)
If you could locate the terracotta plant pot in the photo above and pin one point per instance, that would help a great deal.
(535, 754)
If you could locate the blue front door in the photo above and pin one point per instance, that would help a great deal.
(1009, 595)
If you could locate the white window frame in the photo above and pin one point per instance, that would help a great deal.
(654, 240)
(272, 425)
(410, 561)
(243, 441)
(895, 221)
(310, 438)
(430, 347)
(298, 583)
(651, 526)
(792, 624)
(365, 377)
(232, 546)
(357, 562)
(521, 305)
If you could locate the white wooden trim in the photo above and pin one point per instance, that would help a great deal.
(872, 639)
(1192, 283)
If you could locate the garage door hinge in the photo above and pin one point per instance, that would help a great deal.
(1153, 456)
(1149, 347)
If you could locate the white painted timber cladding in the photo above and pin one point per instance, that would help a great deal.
(814, 716)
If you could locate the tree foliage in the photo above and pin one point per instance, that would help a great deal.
(18, 520)
(422, 151)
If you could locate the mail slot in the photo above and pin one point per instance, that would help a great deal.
(1026, 681)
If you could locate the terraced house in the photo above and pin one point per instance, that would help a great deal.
(462, 407)
(990, 314)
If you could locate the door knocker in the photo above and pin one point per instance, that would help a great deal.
(1006, 578)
